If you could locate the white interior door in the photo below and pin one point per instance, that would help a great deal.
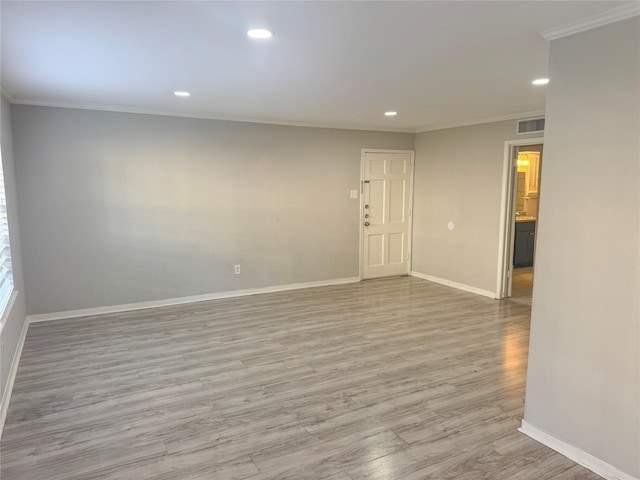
(386, 212)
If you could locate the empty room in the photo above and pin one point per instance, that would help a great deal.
(320, 240)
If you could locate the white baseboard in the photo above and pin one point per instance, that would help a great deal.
(579, 456)
(89, 312)
(8, 388)
(459, 286)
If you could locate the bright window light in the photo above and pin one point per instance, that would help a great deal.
(6, 268)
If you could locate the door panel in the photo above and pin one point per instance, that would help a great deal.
(398, 166)
(396, 247)
(377, 166)
(376, 250)
(386, 213)
(396, 201)
(377, 202)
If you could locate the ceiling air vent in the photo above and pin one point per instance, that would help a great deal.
(534, 125)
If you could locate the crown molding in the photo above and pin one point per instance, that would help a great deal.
(6, 94)
(165, 113)
(605, 18)
(145, 111)
(479, 121)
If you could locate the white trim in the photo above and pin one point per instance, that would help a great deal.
(411, 198)
(7, 309)
(504, 243)
(223, 118)
(576, 454)
(363, 151)
(594, 21)
(361, 217)
(11, 378)
(449, 283)
(6, 94)
(89, 312)
(479, 121)
(204, 116)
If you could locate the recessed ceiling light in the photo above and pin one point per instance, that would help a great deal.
(260, 33)
(182, 94)
(540, 81)
(390, 114)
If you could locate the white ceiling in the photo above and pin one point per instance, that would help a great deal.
(334, 64)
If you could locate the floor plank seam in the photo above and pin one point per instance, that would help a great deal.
(393, 379)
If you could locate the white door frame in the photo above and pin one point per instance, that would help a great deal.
(361, 216)
(507, 216)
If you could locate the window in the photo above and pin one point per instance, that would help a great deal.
(6, 270)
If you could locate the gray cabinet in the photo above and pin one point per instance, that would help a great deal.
(525, 238)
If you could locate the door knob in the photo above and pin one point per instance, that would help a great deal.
(366, 224)
(366, 205)
(366, 215)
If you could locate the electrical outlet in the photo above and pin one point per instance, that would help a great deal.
(354, 194)
(236, 269)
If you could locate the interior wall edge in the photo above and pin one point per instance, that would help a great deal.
(576, 454)
(14, 316)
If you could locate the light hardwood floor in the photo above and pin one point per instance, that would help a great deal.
(388, 379)
(522, 285)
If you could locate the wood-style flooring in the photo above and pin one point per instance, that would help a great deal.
(388, 379)
(522, 285)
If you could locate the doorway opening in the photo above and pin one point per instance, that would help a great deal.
(519, 222)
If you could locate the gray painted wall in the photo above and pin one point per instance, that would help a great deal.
(584, 362)
(458, 178)
(16, 317)
(120, 208)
